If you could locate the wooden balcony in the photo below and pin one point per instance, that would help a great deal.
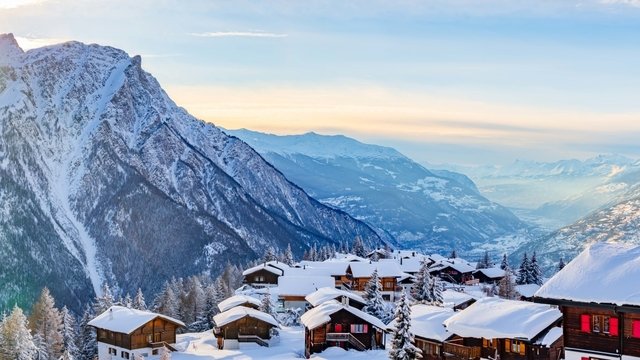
(346, 337)
(461, 351)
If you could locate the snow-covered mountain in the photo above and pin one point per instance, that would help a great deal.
(616, 222)
(102, 177)
(421, 209)
(557, 193)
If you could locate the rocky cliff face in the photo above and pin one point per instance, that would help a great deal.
(103, 177)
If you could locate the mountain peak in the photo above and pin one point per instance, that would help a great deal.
(9, 48)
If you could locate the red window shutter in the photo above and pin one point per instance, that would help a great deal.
(338, 327)
(585, 323)
(366, 328)
(584, 358)
(613, 326)
(635, 328)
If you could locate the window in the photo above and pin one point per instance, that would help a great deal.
(113, 351)
(259, 278)
(585, 323)
(388, 284)
(487, 343)
(596, 323)
(635, 328)
(154, 352)
(517, 347)
(605, 324)
(124, 354)
(149, 338)
(359, 328)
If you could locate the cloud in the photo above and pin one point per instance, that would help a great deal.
(28, 43)
(12, 4)
(255, 34)
(635, 3)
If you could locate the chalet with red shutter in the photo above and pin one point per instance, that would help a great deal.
(599, 297)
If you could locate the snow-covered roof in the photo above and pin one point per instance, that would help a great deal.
(240, 312)
(527, 290)
(347, 258)
(412, 264)
(457, 264)
(125, 320)
(551, 336)
(385, 267)
(321, 315)
(303, 285)
(454, 298)
(274, 267)
(305, 268)
(495, 318)
(612, 267)
(492, 273)
(325, 294)
(237, 300)
(426, 322)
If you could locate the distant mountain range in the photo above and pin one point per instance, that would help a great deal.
(417, 207)
(104, 178)
(558, 193)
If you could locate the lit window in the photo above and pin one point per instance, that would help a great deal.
(359, 328)
(605, 324)
(596, 324)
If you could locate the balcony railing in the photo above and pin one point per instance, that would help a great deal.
(461, 351)
(346, 337)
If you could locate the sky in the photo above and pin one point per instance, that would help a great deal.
(443, 81)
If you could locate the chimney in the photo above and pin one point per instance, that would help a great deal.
(400, 261)
(110, 313)
(345, 300)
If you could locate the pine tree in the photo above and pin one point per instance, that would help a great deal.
(266, 305)
(194, 305)
(535, 275)
(167, 302)
(506, 287)
(454, 254)
(373, 294)
(485, 262)
(269, 255)
(523, 272)
(420, 291)
(288, 256)
(436, 292)
(505, 263)
(127, 301)
(358, 248)
(46, 325)
(561, 264)
(212, 300)
(87, 343)
(104, 301)
(69, 335)
(402, 342)
(16, 342)
(138, 301)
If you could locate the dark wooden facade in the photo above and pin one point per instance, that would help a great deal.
(245, 327)
(338, 332)
(431, 349)
(601, 335)
(156, 331)
(507, 349)
(448, 273)
(261, 277)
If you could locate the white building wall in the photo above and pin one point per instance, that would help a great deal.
(103, 352)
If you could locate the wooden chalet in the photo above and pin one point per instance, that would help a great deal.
(457, 300)
(505, 329)
(453, 270)
(488, 275)
(598, 295)
(326, 294)
(265, 274)
(125, 333)
(358, 275)
(239, 300)
(243, 325)
(336, 324)
(429, 333)
(292, 290)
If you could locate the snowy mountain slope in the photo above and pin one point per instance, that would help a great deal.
(109, 179)
(617, 222)
(554, 194)
(419, 208)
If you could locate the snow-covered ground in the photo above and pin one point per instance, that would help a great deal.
(202, 346)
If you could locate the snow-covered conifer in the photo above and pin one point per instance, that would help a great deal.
(69, 335)
(358, 247)
(288, 256)
(505, 263)
(104, 301)
(373, 294)
(46, 325)
(138, 301)
(454, 254)
(16, 342)
(402, 343)
(523, 272)
(420, 291)
(87, 344)
(535, 275)
(506, 287)
(561, 264)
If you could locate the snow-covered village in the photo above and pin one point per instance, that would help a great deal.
(324, 179)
